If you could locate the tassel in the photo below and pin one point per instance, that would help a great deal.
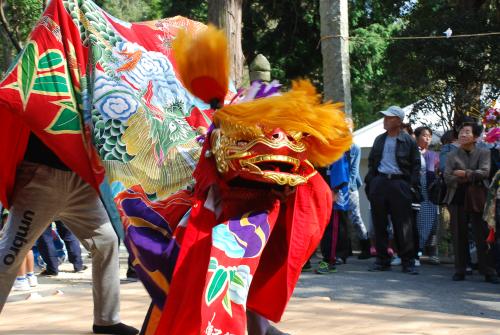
(203, 64)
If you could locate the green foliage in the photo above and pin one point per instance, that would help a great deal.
(193, 9)
(369, 83)
(363, 13)
(456, 67)
(132, 10)
(287, 33)
(371, 23)
(22, 15)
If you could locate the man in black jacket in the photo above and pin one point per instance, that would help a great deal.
(392, 184)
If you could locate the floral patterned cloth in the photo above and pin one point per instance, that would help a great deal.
(104, 96)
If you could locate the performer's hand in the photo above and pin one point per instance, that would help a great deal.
(459, 173)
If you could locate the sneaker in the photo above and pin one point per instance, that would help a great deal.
(21, 284)
(434, 260)
(32, 280)
(364, 255)
(468, 271)
(340, 261)
(83, 268)
(417, 258)
(377, 267)
(458, 277)
(410, 269)
(47, 273)
(325, 267)
(491, 279)
(395, 261)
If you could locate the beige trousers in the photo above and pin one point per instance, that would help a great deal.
(43, 194)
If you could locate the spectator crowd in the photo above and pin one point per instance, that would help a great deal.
(417, 191)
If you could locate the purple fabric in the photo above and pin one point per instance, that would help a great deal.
(254, 235)
(135, 207)
(259, 89)
(156, 251)
(267, 90)
(431, 160)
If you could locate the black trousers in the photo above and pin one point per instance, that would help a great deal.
(392, 197)
(341, 249)
(459, 228)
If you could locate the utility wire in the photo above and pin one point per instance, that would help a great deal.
(358, 38)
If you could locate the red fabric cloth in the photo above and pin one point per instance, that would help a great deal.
(13, 141)
(22, 108)
(292, 243)
(295, 234)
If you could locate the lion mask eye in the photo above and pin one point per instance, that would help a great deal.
(295, 136)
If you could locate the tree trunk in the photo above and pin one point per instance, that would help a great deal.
(335, 51)
(5, 54)
(8, 30)
(226, 14)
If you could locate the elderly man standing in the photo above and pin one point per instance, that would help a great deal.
(392, 184)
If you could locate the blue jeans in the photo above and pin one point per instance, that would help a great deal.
(355, 215)
(48, 250)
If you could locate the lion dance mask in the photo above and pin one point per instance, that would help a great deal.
(259, 207)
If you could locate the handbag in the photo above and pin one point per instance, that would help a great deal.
(437, 190)
(475, 198)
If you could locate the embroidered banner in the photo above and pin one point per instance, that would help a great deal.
(104, 96)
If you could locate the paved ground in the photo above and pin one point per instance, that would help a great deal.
(351, 301)
(431, 290)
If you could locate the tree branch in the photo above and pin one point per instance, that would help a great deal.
(8, 30)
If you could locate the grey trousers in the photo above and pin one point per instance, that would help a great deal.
(43, 194)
